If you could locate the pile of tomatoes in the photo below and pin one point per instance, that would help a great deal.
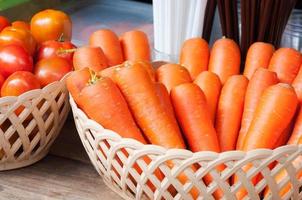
(34, 54)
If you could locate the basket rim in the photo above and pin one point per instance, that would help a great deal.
(25, 95)
(186, 153)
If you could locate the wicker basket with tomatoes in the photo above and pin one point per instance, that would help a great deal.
(197, 129)
(34, 59)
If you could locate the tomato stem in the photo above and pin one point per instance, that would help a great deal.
(64, 51)
(61, 38)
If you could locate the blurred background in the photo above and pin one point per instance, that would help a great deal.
(124, 15)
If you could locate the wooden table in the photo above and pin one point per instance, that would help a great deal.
(54, 178)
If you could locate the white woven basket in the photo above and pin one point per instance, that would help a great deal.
(106, 150)
(26, 138)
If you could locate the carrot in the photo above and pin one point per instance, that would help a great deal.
(297, 84)
(283, 174)
(261, 79)
(155, 122)
(225, 59)
(195, 55)
(210, 84)
(104, 103)
(274, 112)
(110, 44)
(297, 131)
(164, 97)
(146, 65)
(286, 63)
(91, 57)
(285, 135)
(172, 75)
(76, 81)
(229, 111)
(109, 72)
(192, 112)
(140, 93)
(135, 46)
(258, 55)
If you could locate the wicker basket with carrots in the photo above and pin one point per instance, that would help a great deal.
(193, 129)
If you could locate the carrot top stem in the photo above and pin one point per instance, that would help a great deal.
(94, 78)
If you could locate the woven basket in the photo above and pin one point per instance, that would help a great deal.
(106, 150)
(26, 137)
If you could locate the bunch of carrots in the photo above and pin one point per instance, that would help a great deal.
(202, 104)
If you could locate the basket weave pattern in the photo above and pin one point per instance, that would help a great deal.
(30, 123)
(106, 150)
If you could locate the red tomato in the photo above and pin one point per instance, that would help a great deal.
(21, 24)
(22, 37)
(2, 79)
(3, 23)
(50, 25)
(14, 58)
(50, 49)
(18, 83)
(52, 69)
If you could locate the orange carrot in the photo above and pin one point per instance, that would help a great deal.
(274, 112)
(91, 57)
(261, 80)
(192, 112)
(286, 63)
(285, 135)
(109, 72)
(140, 93)
(283, 174)
(165, 101)
(164, 97)
(135, 46)
(258, 55)
(172, 75)
(229, 111)
(110, 44)
(297, 84)
(195, 55)
(76, 81)
(104, 103)
(210, 84)
(225, 59)
(297, 131)
(146, 65)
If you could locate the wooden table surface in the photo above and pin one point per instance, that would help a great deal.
(54, 178)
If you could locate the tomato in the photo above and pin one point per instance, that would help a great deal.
(51, 69)
(14, 58)
(2, 79)
(18, 83)
(51, 25)
(3, 23)
(13, 35)
(21, 25)
(50, 49)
